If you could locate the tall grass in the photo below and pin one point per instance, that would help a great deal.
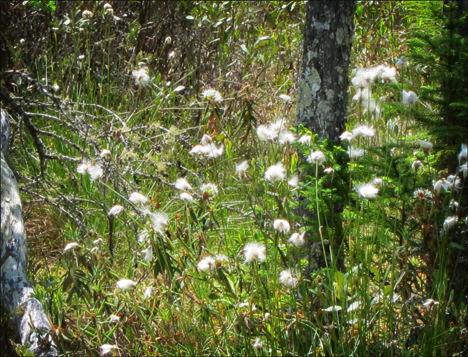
(396, 253)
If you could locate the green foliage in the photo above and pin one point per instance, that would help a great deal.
(443, 55)
(359, 283)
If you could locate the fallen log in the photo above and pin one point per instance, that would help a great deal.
(32, 325)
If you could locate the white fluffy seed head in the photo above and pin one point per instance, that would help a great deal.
(206, 264)
(275, 173)
(288, 279)
(185, 196)
(241, 169)
(317, 157)
(254, 252)
(306, 139)
(367, 190)
(70, 246)
(182, 184)
(138, 198)
(125, 284)
(281, 225)
(115, 210)
(297, 239)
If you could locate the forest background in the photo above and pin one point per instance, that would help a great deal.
(173, 206)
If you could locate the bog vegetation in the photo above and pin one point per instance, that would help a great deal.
(174, 208)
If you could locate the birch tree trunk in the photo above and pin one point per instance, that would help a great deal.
(16, 293)
(323, 84)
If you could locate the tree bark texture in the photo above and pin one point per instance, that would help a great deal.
(16, 293)
(324, 81)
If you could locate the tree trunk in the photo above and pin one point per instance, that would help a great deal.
(323, 85)
(321, 108)
(16, 293)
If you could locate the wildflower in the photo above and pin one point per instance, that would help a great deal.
(388, 74)
(182, 184)
(329, 170)
(275, 173)
(55, 87)
(450, 222)
(107, 6)
(172, 54)
(198, 150)
(115, 210)
(138, 198)
(409, 98)
(105, 349)
(463, 153)
(332, 308)
(206, 140)
(371, 106)
(316, 157)
(95, 172)
(185, 196)
(147, 293)
(148, 252)
(347, 135)
(286, 136)
(439, 185)
(254, 252)
(281, 225)
(294, 181)
(114, 319)
(109, 11)
(83, 168)
(70, 246)
(258, 343)
(87, 14)
(306, 139)
(363, 130)
(297, 239)
(425, 145)
(355, 153)
(364, 77)
(429, 303)
(159, 221)
(212, 151)
(367, 190)
(287, 279)
(125, 284)
(241, 169)
(98, 241)
(354, 306)
(377, 181)
(206, 263)
(141, 76)
(213, 95)
(401, 62)
(362, 94)
(105, 153)
(452, 183)
(267, 316)
(168, 40)
(463, 169)
(265, 133)
(416, 165)
(286, 98)
(209, 188)
(422, 194)
(453, 205)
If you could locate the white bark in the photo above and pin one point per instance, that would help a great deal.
(16, 293)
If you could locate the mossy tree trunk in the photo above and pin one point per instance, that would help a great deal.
(324, 81)
(323, 88)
